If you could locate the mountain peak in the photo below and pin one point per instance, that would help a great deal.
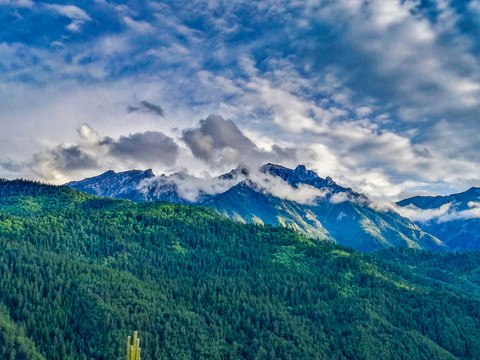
(234, 173)
(301, 168)
(149, 173)
(293, 176)
(111, 183)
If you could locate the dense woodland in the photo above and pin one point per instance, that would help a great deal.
(79, 273)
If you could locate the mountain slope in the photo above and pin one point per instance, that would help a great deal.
(115, 185)
(296, 198)
(79, 279)
(341, 215)
(348, 223)
(458, 224)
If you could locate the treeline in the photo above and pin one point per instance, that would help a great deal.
(79, 273)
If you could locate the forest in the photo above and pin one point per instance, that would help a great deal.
(78, 274)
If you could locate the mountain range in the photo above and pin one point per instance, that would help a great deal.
(454, 218)
(294, 198)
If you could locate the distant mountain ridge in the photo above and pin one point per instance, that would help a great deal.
(274, 195)
(458, 225)
(121, 185)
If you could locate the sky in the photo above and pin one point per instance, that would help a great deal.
(381, 95)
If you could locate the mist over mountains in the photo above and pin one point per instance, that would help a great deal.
(455, 218)
(294, 198)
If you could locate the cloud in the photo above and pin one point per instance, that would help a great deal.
(276, 186)
(65, 159)
(279, 94)
(146, 107)
(11, 166)
(445, 213)
(192, 188)
(401, 48)
(150, 147)
(139, 26)
(423, 215)
(342, 197)
(92, 152)
(218, 141)
(87, 133)
(78, 16)
(367, 92)
(216, 133)
(18, 3)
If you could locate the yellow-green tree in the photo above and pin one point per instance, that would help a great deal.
(133, 348)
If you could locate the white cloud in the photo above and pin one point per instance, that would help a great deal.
(18, 3)
(88, 134)
(71, 11)
(404, 48)
(474, 6)
(191, 188)
(362, 107)
(78, 16)
(138, 26)
(276, 186)
(423, 215)
(472, 213)
(445, 213)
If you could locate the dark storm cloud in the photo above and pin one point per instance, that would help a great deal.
(217, 140)
(151, 147)
(146, 108)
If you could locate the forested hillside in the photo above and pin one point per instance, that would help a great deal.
(79, 273)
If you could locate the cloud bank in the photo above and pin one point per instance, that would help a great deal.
(445, 213)
(192, 188)
(92, 152)
(366, 92)
(218, 142)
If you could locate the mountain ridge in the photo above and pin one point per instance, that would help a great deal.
(453, 218)
(277, 195)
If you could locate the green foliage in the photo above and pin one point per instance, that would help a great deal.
(75, 269)
(13, 343)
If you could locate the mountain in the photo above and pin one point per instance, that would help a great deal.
(295, 198)
(136, 185)
(121, 185)
(458, 224)
(341, 215)
(300, 175)
(79, 273)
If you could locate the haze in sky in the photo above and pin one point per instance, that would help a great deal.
(380, 95)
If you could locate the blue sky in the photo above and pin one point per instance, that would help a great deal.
(381, 95)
